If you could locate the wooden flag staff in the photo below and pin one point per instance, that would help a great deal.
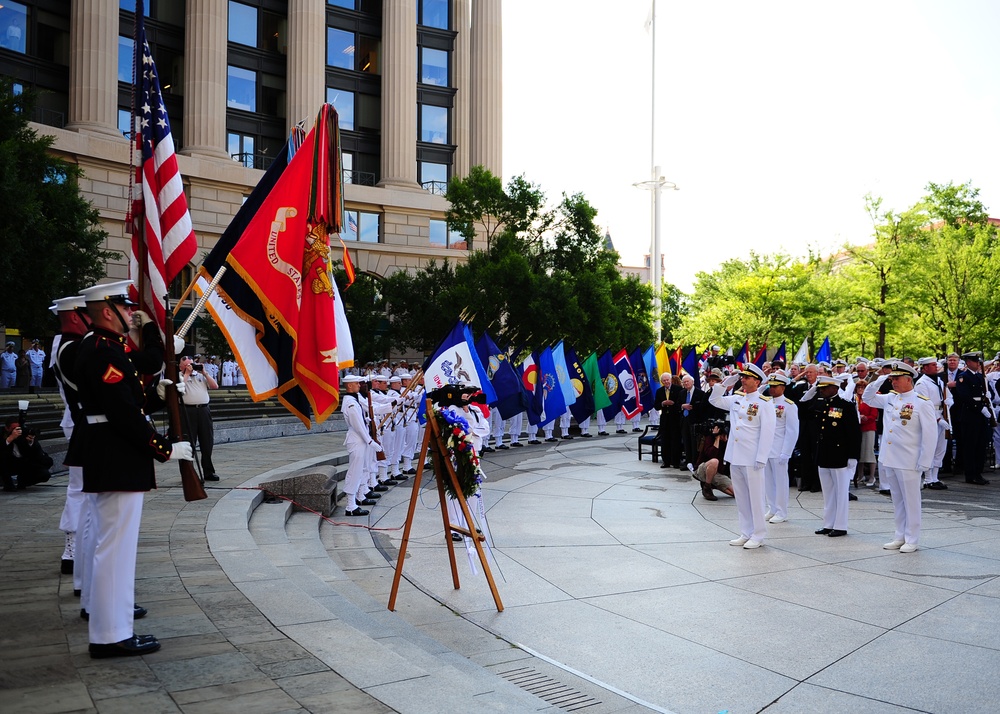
(442, 465)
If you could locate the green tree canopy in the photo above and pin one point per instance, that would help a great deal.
(51, 240)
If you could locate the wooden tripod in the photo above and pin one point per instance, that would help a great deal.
(442, 466)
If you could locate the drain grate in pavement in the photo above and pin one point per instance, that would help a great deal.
(550, 690)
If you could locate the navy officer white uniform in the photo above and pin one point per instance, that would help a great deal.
(930, 385)
(786, 433)
(117, 456)
(909, 439)
(751, 434)
(358, 442)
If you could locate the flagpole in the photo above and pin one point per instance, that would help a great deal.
(201, 303)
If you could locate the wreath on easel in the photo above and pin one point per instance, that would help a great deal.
(454, 432)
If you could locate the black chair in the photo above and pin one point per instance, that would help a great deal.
(650, 437)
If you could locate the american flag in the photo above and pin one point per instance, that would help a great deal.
(159, 200)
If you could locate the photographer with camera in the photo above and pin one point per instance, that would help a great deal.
(23, 462)
(710, 467)
(197, 382)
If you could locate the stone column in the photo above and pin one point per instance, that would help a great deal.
(93, 67)
(399, 93)
(306, 59)
(487, 92)
(460, 133)
(206, 34)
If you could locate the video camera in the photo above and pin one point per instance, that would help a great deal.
(707, 427)
(455, 395)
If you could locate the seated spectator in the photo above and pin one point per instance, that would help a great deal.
(23, 462)
(711, 468)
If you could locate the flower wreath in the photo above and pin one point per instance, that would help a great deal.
(455, 431)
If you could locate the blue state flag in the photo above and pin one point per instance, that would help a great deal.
(690, 364)
(824, 354)
(548, 384)
(616, 394)
(780, 354)
(583, 407)
(641, 379)
(652, 368)
(511, 397)
(562, 374)
(456, 362)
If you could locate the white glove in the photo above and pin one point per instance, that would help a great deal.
(852, 464)
(986, 412)
(759, 465)
(810, 393)
(178, 345)
(949, 402)
(730, 380)
(881, 379)
(378, 447)
(161, 388)
(182, 450)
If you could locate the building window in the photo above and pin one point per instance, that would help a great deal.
(361, 226)
(14, 27)
(369, 49)
(346, 4)
(343, 101)
(125, 122)
(339, 48)
(434, 13)
(434, 177)
(347, 166)
(444, 236)
(126, 47)
(434, 67)
(433, 124)
(241, 92)
(242, 24)
(241, 148)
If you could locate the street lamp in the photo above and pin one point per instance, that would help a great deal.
(656, 185)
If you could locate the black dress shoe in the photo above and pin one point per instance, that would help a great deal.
(885, 492)
(66, 566)
(936, 486)
(636, 429)
(568, 437)
(368, 502)
(836, 533)
(356, 512)
(620, 431)
(372, 496)
(488, 449)
(381, 488)
(534, 441)
(664, 465)
(77, 593)
(504, 447)
(457, 537)
(126, 648)
(551, 439)
(602, 433)
(588, 435)
(212, 477)
(824, 531)
(978, 481)
(516, 444)
(411, 471)
(851, 497)
(399, 478)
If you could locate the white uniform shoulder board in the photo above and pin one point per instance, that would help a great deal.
(893, 391)
(788, 401)
(765, 398)
(923, 397)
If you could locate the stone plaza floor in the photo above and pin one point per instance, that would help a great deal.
(620, 594)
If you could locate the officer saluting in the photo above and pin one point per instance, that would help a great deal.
(909, 439)
(751, 433)
(117, 457)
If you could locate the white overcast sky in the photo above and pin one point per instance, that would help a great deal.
(773, 118)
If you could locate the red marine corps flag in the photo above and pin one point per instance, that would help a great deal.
(168, 242)
(284, 258)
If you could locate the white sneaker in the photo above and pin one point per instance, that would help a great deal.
(739, 541)
(750, 544)
(907, 547)
(777, 519)
(895, 545)
(767, 516)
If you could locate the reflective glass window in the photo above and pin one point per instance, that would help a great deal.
(434, 177)
(125, 49)
(350, 229)
(348, 4)
(433, 124)
(434, 13)
(347, 166)
(14, 27)
(242, 24)
(125, 122)
(339, 48)
(241, 92)
(369, 227)
(439, 233)
(130, 6)
(343, 101)
(369, 49)
(434, 67)
(241, 148)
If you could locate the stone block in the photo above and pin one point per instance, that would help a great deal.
(313, 488)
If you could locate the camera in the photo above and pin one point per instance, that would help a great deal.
(452, 395)
(707, 427)
(198, 367)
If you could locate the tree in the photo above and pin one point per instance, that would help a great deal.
(479, 200)
(365, 307)
(674, 307)
(50, 237)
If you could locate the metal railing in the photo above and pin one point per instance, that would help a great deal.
(254, 161)
(360, 178)
(438, 188)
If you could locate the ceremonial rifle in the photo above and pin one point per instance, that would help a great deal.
(379, 455)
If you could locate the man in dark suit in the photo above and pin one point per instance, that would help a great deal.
(971, 417)
(691, 401)
(805, 466)
(667, 401)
